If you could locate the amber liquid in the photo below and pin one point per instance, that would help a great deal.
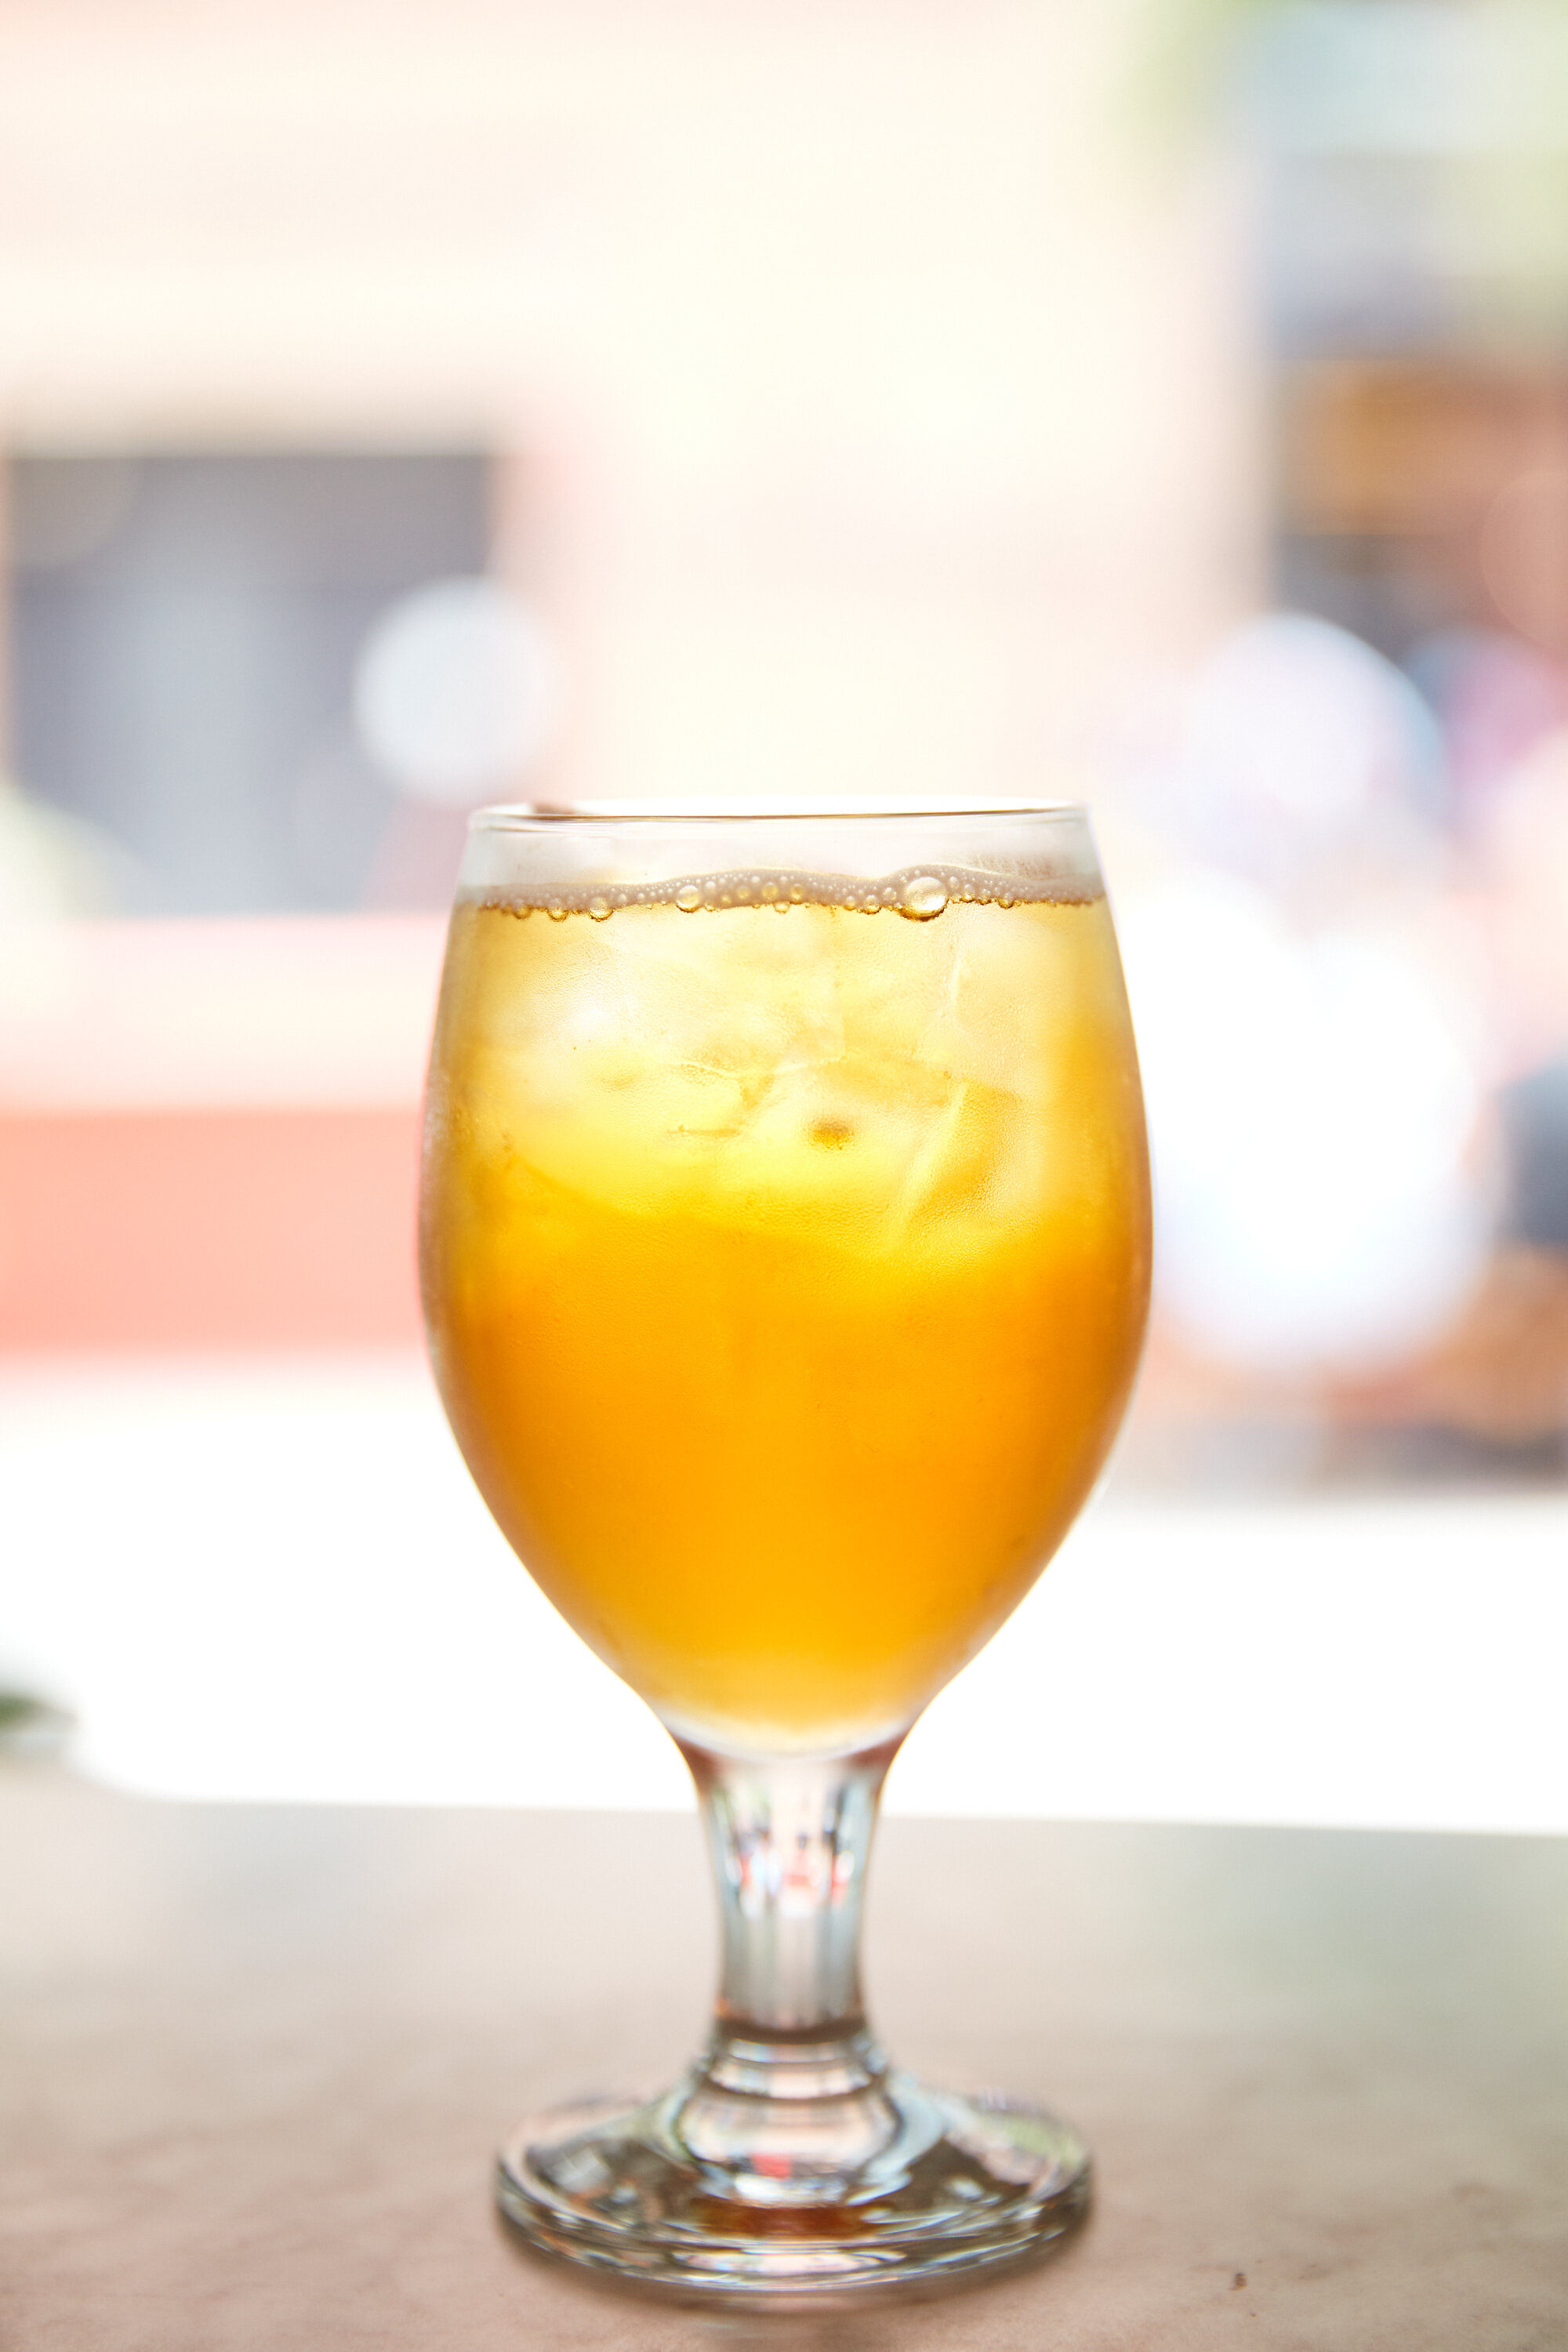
(785, 1271)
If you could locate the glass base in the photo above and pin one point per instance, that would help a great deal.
(721, 2195)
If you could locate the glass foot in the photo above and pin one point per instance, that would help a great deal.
(721, 2194)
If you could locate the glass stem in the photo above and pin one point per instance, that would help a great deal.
(790, 1838)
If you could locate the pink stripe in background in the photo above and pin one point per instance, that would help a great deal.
(209, 1132)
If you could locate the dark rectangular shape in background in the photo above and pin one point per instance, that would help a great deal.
(184, 627)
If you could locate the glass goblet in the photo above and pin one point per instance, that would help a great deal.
(785, 1244)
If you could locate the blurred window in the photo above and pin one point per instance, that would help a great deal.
(185, 629)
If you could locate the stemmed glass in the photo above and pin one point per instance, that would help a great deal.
(784, 1242)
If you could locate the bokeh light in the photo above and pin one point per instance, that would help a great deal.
(1304, 752)
(455, 692)
(1312, 1108)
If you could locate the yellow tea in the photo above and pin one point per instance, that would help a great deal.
(786, 1265)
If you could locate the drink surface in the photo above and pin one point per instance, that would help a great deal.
(786, 1267)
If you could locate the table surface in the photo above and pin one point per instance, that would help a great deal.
(255, 2059)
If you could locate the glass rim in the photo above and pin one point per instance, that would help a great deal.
(511, 817)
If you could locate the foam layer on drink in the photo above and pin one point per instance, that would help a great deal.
(920, 893)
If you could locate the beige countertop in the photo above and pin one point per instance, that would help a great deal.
(253, 2063)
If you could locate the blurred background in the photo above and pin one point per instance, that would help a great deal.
(1163, 403)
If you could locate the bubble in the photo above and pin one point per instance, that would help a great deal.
(923, 897)
(917, 893)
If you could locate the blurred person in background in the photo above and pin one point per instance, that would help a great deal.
(1353, 991)
(1346, 912)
